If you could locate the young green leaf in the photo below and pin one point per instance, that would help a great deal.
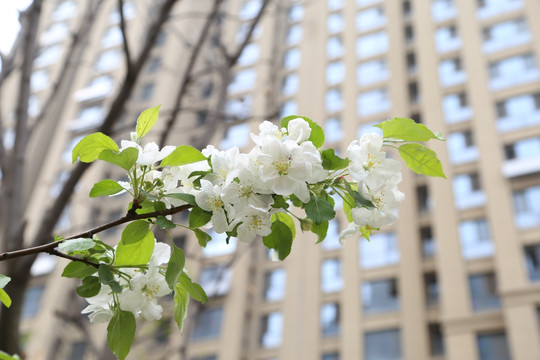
(348, 205)
(280, 239)
(78, 244)
(121, 333)
(190, 199)
(106, 277)
(182, 155)
(280, 202)
(198, 217)
(175, 267)
(6, 356)
(135, 231)
(105, 187)
(89, 148)
(202, 237)
(4, 280)
(135, 253)
(125, 159)
(4, 297)
(320, 230)
(359, 201)
(164, 223)
(319, 209)
(421, 160)
(330, 161)
(146, 121)
(79, 270)
(90, 287)
(181, 302)
(194, 289)
(317, 133)
(406, 130)
(287, 219)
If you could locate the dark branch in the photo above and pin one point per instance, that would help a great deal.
(125, 45)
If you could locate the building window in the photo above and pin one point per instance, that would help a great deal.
(523, 149)
(250, 55)
(427, 241)
(296, 13)
(456, 108)
(368, 128)
(249, 9)
(294, 35)
(218, 245)
(39, 80)
(493, 346)
(235, 135)
(333, 130)
(505, 34)
(244, 80)
(373, 102)
(66, 155)
(48, 56)
(154, 64)
(467, 191)
(64, 10)
(289, 108)
(512, 71)
(484, 294)
(243, 31)
(436, 341)
(205, 357)
(380, 250)
(451, 72)
(239, 108)
(207, 324)
(331, 279)
(290, 85)
(291, 59)
(407, 8)
(532, 261)
(371, 18)
(423, 199)
(527, 207)
(372, 72)
(335, 23)
(128, 9)
(409, 34)
(147, 91)
(334, 47)
(490, 8)
(447, 39)
(414, 93)
(461, 147)
(272, 326)
(335, 72)
(333, 100)
(77, 351)
(31, 301)
(380, 296)
(335, 4)
(274, 285)
(518, 112)
(88, 117)
(411, 62)
(330, 319)
(475, 239)
(331, 242)
(382, 345)
(215, 280)
(330, 356)
(442, 10)
(372, 44)
(112, 37)
(55, 33)
(431, 286)
(108, 60)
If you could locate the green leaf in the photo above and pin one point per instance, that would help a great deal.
(78, 244)
(348, 204)
(280, 202)
(319, 209)
(287, 219)
(202, 237)
(164, 223)
(190, 199)
(421, 160)
(6, 356)
(135, 231)
(4, 298)
(135, 253)
(194, 289)
(125, 159)
(146, 121)
(105, 187)
(181, 302)
(330, 161)
(145, 207)
(160, 206)
(175, 267)
(407, 130)
(79, 270)
(106, 277)
(90, 287)
(355, 195)
(317, 133)
(280, 239)
(121, 333)
(182, 155)
(89, 148)
(320, 230)
(4, 280)
(198, 217)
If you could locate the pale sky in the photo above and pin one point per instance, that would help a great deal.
(9, 18)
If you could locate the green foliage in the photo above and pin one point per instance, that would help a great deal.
(198, 217)
(4, 297)
(79, 270)
(319, 209)
(421, 160)
(130, 252)
(183, 155)
(164, 223)
(6, 356)
(175, 267)
(90, 287)
(125, 159)
(106, 277)
(321, 230)
(78, 244)
(286, 219)
(181, 302)
(121, 333)
(193, 289)
(406, 130)
(317, 133)
(146, 121)
(202, 237)
(190, 199)
(89, 148)
(330, 161)
(359, 201)
(105, 187)
(135, 231)
(280, 239)
(280, 202)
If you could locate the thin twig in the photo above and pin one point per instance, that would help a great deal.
(125, 45)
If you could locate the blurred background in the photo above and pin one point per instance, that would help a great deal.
(456, 278)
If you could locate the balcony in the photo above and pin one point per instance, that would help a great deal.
(515, 122)
(94, 92)
(496, 8)
(502, 43)
(458, 115)
(443, 10)
(471, 200)
(514, 79)
(452, 79)
(520, 167)
(449, 44)
(464, 155)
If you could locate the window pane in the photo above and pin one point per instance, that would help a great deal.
(493, 346)
(330, 319)
(381, 250)
(331, 279)
(484, 294)
(207, 324)
(272, 326)
(274, 288)
(382, 345)
(380, 296)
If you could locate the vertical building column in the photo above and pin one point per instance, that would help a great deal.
(525, 344)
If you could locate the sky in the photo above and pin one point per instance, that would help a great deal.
(9, 18)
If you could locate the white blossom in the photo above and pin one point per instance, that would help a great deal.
(209, 199)
(299, 130)
(150, 154)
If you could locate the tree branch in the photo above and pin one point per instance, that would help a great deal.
(49, 247)
(125, 45)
